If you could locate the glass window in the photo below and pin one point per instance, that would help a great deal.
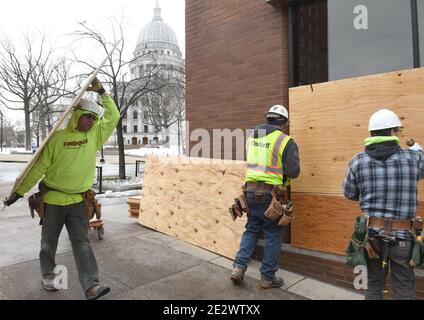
(135, 129)
(135, 115)
(350, 38)
(146, 129)
(368, 36)
(124, 129)
(420, 5)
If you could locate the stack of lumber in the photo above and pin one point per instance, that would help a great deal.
(329, 122)
(134, 206)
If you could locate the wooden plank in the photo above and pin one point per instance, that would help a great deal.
(323, 223)
(58, 124)
(188, 198)
(329, 122)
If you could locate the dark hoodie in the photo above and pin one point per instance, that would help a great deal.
(382, 151)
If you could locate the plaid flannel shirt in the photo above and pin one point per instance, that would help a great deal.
(386, 189)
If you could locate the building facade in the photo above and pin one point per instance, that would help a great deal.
(157, 49)
(244, 56)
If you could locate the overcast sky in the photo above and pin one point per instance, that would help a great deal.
(56, 18)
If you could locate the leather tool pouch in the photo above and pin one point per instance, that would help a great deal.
(240, 206)
(280, 209)
(275, 210)
(372, 249)
(287, 214)
(91, 205)
(36, 201)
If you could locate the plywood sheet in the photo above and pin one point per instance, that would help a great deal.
(325, 223)
(188, 198)
(329, 122)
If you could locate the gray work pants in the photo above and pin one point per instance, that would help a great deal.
(74, 218)
(402, 274)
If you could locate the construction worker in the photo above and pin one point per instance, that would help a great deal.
(273, 159)
(384, 180)
(67, 166)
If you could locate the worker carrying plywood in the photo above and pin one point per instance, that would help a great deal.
(273, 160)
(384, 180)
(67, 166)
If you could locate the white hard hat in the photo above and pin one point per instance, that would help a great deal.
(277, 110)
(90, 105)
(384, 119)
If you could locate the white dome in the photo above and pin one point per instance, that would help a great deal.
(157, 34)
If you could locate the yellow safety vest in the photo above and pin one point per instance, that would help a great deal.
(264, 158)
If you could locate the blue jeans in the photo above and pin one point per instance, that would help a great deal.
(256, 222)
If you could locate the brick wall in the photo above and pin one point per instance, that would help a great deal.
(236, 63)
(333, 272)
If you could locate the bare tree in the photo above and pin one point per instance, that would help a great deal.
(167, 106)
(18, 78)
(126, 89)
(51, 93)
(30, 80)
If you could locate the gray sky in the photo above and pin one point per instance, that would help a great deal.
(56, 18)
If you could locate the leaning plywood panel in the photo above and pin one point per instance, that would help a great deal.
(188, 198)
(329, 122)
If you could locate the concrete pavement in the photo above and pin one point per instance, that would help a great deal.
(137, 262)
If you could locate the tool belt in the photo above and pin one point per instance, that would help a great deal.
(259, 186)
(390, 225)
(240, 206)
(36, 202)
(280, 208)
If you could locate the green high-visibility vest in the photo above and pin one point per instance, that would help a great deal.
(264, 158)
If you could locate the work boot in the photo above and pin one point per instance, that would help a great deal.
(237, 275)
(48, 283)
(97, 291)
(268, 284)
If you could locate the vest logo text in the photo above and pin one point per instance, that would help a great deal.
(260, 144)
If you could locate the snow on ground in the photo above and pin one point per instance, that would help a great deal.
(172, 151)
(7, 150)
(124, 182)
(111, 194)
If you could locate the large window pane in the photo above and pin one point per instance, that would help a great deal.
(385, 46)
(420, 4)
(337, 39)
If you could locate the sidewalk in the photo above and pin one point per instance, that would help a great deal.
(138, 263)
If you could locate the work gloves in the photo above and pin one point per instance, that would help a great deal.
(15, 197)
(416, 147)
(96, 86)
(413, 145)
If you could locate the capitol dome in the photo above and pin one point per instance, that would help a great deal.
(158, 35)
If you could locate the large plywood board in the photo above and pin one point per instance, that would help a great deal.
(188, 198)
(329, 122)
